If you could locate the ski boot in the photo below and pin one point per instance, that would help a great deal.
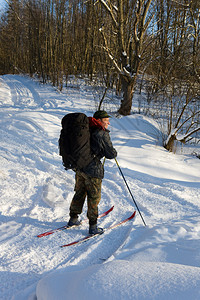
(73, 222)
(93, 229)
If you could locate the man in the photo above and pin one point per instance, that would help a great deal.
(89, 179)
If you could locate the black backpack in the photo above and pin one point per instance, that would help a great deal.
(74, 141)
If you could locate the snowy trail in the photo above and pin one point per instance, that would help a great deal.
(22, 95)
(36, 193)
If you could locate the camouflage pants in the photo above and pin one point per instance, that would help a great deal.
(90, 187)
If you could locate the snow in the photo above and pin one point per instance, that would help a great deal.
(140, 279)
(159, 261)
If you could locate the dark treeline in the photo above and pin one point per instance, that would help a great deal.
(115, 40)
(51, 38)
(58, 37)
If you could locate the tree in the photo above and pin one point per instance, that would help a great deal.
(175, 68)
(129, 21)
(184, 114)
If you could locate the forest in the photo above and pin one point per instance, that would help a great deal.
(128, 45)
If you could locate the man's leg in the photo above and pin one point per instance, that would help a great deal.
(93, 186)
(79, 196)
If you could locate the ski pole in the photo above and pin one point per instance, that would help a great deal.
(129, 190)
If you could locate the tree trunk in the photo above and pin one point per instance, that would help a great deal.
(170, 143)
(128, 90)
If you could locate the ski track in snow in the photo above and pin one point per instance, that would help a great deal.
(36, 191)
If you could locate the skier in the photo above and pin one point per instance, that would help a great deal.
(88, 181)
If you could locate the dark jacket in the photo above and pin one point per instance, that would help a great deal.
(101, 146)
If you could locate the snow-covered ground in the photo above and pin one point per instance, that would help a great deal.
(159, 261)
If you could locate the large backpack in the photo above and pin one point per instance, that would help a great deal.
(74, 141)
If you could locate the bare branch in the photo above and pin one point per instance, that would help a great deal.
(110, 11)
(194, 114)
(184, 138)
(18, 17)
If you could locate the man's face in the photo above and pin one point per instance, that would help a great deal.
(105, 122)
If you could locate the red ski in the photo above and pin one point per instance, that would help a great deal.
(105, 229)
(66, 227)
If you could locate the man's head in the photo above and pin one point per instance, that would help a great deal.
(103, 117)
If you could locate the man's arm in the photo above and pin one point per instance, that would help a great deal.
(108, 149)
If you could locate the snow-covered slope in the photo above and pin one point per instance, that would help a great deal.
(159, 261)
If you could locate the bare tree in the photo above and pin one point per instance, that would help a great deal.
(125, 48)
(184, 114)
